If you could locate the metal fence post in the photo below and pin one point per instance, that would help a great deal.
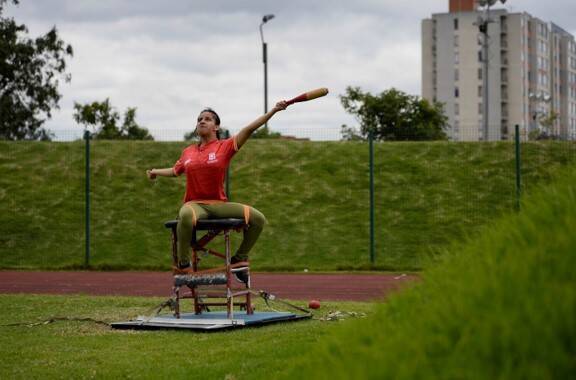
(227, 181)
(87, 223)
(371, 149)
(518, 173)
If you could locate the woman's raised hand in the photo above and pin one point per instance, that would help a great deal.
(280, 106)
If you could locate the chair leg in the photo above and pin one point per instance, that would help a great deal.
(229, 300)
(176, 293)
(194, 290)
(249, 309)
(174, 247)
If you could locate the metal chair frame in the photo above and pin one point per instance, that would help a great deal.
(194, 277)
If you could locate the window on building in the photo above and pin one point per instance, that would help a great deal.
(504, 129)
(480, 56)
(456, 109)
(456, 74)
(480, 108)
(456, 42)
(480, 73)
(455, 24)
(456, 57)
(480, 91)
(456, 92)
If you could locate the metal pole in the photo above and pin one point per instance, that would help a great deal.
(485, 59)
(518, 171)
(227, 182)
(87, 223)
(371, 149)
(265, 19)
(265, 60)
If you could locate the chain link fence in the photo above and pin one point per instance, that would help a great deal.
(323, 213)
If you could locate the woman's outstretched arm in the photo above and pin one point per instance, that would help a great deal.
(247, 131)
(153, 173)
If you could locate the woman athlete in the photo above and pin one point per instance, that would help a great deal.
(205, 166)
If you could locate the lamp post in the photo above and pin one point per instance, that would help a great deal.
(482, 24)
(265, 19)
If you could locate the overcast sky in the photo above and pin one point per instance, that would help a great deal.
(170, 59)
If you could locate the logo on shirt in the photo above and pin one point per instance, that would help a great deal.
(211, 157)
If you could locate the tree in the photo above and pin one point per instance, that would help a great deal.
(30, 72)
(265, 133)
(193, 136)
(393, 115)
(104, 119)
(547, 122)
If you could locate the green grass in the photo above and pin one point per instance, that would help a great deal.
(315, 196)
(502, 306)
(77, 350)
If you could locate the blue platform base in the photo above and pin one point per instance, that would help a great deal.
(208, 321)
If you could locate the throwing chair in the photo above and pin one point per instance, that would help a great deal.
(214, 286)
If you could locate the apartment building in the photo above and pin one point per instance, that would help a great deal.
(529, 76)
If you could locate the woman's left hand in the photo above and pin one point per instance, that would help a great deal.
(280, 106)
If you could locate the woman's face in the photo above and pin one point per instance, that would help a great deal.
(206, 125)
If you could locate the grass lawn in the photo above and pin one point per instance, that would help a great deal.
(71, 349)
(315, 196)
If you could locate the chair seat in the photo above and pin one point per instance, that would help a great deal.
(211, 224)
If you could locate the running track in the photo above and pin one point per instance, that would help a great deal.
(328, 287)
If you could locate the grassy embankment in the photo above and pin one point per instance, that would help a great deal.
(314, 194)
(501, 306)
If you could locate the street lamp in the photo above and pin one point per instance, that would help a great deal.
(265, 19)
(482, 24)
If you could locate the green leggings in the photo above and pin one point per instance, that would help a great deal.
(191, 211)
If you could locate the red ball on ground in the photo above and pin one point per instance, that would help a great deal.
(314, 304)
